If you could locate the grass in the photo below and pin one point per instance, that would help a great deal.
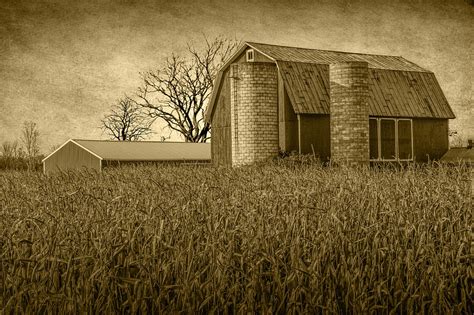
(286, 237)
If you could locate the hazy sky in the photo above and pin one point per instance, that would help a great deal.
(63, 63)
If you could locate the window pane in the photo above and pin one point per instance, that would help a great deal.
(373, 139)
(387, 137)
(404, 140)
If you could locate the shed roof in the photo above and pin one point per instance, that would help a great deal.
(397, 87)
(144, 150)
(455, 155)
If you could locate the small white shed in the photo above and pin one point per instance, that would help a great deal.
(94, 154)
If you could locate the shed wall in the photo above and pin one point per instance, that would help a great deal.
(221, 146)
(112, 164)
(69, 157)
(430, 139)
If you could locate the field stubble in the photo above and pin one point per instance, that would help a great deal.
(287, 237)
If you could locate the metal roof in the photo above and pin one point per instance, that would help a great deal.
(146, 150)
(391, 93)
(306, 55)
(397, 87)
(456, 155)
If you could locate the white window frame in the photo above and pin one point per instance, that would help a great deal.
(248, 53)
(379, 140)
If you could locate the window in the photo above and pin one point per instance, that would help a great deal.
(387, 139)
(373, 139)
(390, 139)
(404, 139)
(250, 55)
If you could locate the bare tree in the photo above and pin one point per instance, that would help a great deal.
(178, 92)
(10, 149)
(30, 139)
(54, 147)
(127, 121)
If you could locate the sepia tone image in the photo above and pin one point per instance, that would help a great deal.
(236, 157)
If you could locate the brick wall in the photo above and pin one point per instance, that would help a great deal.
(349, 111)
(254, 112)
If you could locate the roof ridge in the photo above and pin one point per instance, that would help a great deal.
(146, 141)
(330, 50)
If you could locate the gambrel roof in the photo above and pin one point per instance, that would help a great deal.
(318, 56)
(392, 93)
(397, 87)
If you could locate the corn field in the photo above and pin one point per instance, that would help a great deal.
(284, 237)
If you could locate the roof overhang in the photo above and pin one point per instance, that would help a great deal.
(72, 141)
(156, 160)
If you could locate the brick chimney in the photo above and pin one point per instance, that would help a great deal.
(349, 110)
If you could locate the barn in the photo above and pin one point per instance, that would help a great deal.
(96, 154)
(341, 106)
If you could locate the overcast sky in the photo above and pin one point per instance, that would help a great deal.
(63, 63)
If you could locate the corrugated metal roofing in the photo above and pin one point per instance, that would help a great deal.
(398, 87)
(307, 86)
(306, 55)
(456, 155)
(391, 93)
(147, 150)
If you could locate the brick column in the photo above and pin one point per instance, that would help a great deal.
(349, 109)
(254, 112)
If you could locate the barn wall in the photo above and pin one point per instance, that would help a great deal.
(430, 139)
(315, 135)
(71, 156)
(220, 133)
(288, 122)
